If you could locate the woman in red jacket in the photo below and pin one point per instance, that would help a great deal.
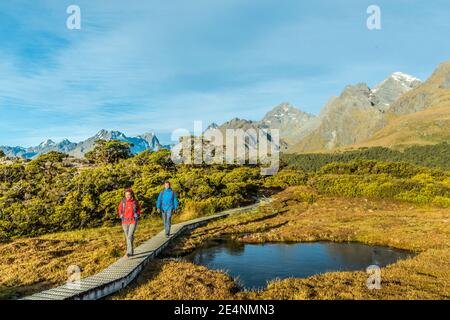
(129, 212)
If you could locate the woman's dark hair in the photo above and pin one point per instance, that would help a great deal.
(131, 192)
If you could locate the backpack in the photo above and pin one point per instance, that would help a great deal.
(124, 203)
(162, 196)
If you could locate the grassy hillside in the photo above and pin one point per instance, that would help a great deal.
(429, 126)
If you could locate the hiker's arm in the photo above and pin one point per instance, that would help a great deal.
(158, 202)
(175, 202)
(120, 210)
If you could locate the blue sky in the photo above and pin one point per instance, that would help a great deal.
(144, 66)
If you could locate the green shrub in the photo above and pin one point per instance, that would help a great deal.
(442, 201)
(305, 196)
(287, 178)
(382, 186)
(47, 194)
(435, 156)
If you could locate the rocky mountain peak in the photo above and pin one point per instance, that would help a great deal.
(406, 80)
(102, 134)
(151, 138)
(441, 76)
(212, 126)
(425, 95)
(110, 135)
(285, 112)
(47, 143)
(356, 89)
(147, 141)
(237, 123)
(283, 108)
(393, 87)
(147, 135)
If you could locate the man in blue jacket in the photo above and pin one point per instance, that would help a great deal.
(167, 203)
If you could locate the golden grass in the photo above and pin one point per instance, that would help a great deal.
(423, 229)
(31, 265)
(180, 280)
(429, 126)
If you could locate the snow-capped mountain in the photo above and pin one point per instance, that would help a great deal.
(16, 152)
(64, 146)
(357, 113)
(393, 87)
(351, 117)
(146, 141)
(425, 95)
(47, 143)
(293, 123)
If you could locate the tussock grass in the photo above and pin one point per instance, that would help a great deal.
(30, 265)
(171, 279)
(422, 229)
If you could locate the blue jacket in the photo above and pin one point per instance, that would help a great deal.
(165, 202)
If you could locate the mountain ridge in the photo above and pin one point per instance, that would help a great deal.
(421, 115)
(353, 118)
(146, 141)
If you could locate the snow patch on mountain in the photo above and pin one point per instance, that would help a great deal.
(146, 141)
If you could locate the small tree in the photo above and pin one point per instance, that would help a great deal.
(109, 151)
(47, 167)
(2, 153)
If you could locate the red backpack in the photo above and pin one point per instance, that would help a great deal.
(124, 203)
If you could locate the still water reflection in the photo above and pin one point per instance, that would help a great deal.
(255, 264)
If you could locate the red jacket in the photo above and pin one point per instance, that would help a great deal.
(131, 213)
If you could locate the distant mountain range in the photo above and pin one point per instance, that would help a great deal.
(147, 141)
(360, 114)
(400, 110)
(420, 116)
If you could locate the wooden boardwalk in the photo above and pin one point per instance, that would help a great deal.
(118, 275)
